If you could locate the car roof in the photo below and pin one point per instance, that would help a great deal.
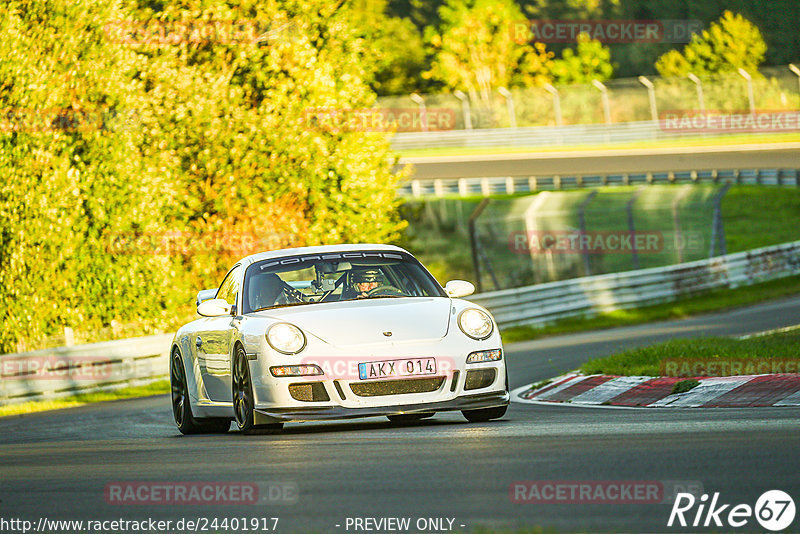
(323, 249)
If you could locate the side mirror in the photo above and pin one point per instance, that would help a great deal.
(214, 308)
(206, 294)
(459, 288)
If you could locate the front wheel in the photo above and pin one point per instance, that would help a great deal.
(243, 399)
(182, 408)
(484, 414)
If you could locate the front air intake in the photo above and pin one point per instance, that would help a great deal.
(309, 392)
(397, 387)
(480, 378)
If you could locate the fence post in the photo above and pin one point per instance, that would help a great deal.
(422, 110)
(651, 93)
(512, 116)
(556, 102)
(700, 100)
(604, 93)
(69, 337)
(509, 185)
(676, 221)
(438, 187)
(717, 227)
(463, 187)
(582, 225)
(486, 189)
(473, 241)
(631, 228)
(749, 79)
(464, 108)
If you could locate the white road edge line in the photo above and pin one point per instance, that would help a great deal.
(770, 332)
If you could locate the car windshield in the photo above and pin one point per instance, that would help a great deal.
(337, 277)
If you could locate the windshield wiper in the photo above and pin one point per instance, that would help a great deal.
(284, 305)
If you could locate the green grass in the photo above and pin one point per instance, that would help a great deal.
(159, 387)
(747, 139)
(717, 300)
(649, 361)
(757, 216)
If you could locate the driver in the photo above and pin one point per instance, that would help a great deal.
(365, 281)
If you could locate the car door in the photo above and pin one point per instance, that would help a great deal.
(213, 342)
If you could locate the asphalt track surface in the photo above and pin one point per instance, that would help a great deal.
(613, 161)
(56, 465)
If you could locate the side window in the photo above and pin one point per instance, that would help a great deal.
(230, 286)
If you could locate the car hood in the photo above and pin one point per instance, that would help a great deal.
(363, 322)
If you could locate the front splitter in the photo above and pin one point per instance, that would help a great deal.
(323, 413)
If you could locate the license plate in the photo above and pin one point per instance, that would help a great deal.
(397, 368)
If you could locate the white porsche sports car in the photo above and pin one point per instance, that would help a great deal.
(334, 332)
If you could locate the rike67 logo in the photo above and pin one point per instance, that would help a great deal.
(774, 511)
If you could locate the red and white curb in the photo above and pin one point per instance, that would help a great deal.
(656, 392)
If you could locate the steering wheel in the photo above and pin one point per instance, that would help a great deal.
(292, 294)
(384, 291)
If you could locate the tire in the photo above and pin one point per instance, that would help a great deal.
(409, 417)
(243, 399)
(484, 414)
(182, 407)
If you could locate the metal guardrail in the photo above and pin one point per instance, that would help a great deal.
(508, 185)
(63, 371)
(535, 136)
(548, 136)
(51, 373)
(544, 303)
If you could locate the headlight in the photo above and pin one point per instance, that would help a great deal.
(475, 323)
(286, 338)
(485, 356)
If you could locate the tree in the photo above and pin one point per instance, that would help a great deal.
(423, 13)
(72, 176)
(243, 134)
(397, 52)
(476, 50)
(569, 9)
(729, 44)
(592, 61)
(223, 145)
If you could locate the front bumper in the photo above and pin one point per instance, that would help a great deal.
(322, 413)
